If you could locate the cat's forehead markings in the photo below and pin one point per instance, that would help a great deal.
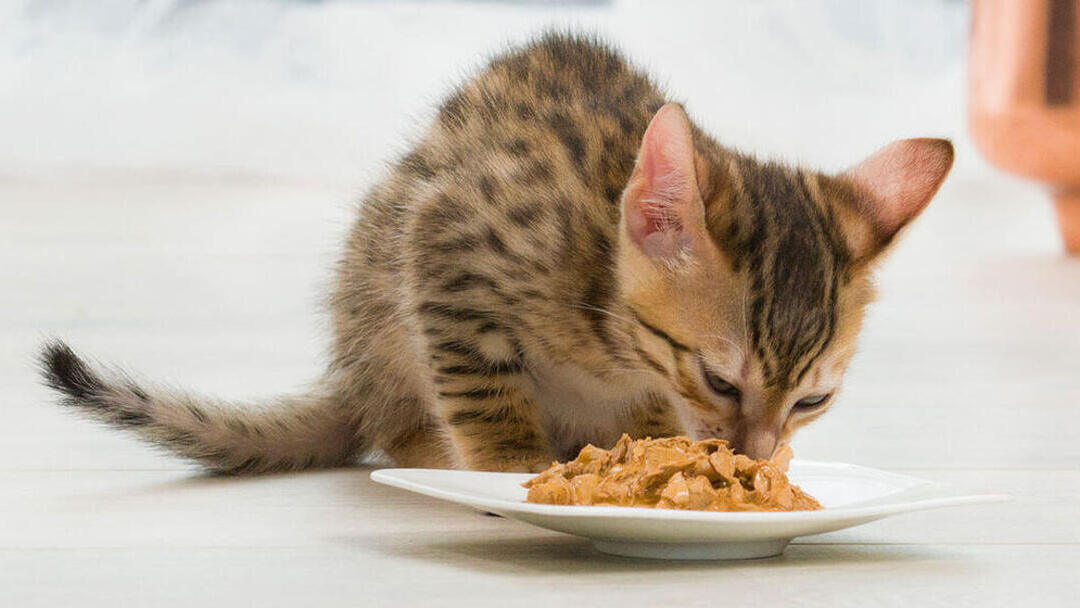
(782, 233)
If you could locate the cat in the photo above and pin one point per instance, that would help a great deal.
(563, 257)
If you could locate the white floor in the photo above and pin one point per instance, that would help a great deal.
(968, 374)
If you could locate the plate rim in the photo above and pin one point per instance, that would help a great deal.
(386, 476)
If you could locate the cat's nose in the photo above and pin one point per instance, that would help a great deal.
(759, 443)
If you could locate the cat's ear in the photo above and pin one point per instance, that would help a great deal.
(662, 208)
(896, 183)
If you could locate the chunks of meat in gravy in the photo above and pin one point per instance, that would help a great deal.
(671, 473)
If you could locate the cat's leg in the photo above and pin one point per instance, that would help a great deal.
(427, 447)
(654, 416)
(483, 400)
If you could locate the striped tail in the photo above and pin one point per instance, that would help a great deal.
(290, 433)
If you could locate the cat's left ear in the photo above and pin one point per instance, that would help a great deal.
(662, 208)
(897, 182)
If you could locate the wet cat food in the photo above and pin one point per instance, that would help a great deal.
(671, 473)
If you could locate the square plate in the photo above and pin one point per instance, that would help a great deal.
(852, 495)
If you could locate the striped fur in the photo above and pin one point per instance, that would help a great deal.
(782, 233)
(292, 433)
(491, 312)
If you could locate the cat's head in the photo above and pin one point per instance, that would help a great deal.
(750, 279)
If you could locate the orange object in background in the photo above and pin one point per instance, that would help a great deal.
(1024, 96)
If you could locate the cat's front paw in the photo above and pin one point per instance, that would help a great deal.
(523, 464)
(538, 466)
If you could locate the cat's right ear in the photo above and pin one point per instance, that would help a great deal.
(662, 209)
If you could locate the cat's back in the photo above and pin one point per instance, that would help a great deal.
(521, 169)
(554, 74)
(564, 107)
(568, 100)
(553, 123)
(508, 204)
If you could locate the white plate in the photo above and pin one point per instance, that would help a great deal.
(852, 495)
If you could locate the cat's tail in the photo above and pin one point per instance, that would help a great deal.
(290, 433)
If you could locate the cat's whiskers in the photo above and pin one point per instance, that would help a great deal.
(622, 318)
(623, 371)
(746, 318)
(620, 329)
(733, 357)
(739, 348)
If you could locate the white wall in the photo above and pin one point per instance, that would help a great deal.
(326, 91)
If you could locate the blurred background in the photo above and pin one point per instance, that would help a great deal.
(328, 90)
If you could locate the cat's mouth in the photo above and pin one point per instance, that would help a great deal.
(703, 430)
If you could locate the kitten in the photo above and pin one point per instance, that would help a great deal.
(562, 258)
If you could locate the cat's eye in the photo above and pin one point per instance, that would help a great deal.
(719, 385)
(811, 402)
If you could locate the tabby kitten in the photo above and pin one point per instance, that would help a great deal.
(562, 258)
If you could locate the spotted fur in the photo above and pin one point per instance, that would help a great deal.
(492, 310)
